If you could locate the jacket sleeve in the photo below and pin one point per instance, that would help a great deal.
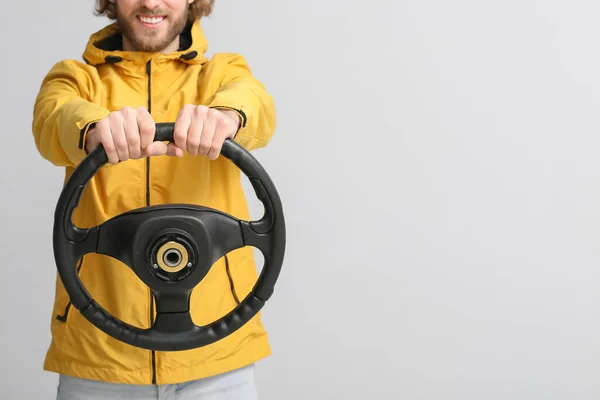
(62, 115)
(240, 91)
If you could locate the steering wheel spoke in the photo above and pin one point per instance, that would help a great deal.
(224, 232)
(115, 237)
(172, 301)
(172, 311)
(173, 323)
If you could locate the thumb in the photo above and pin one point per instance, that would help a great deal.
(174, 151)
(156, 149)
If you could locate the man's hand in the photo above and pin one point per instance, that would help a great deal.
(128, 133)
(202, 130)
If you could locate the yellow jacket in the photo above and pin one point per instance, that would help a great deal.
(72, 96)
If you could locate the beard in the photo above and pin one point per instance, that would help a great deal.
(146, 39)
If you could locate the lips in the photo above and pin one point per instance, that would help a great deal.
(151, 20)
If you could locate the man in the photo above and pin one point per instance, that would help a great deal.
(149, 67)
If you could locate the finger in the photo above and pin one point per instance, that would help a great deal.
(174, 151)
(181, 127)
(208, 134)
(156, 149)
(196, 130)
(146, 127)
(222, 131)
(132, 134)
(93, 138)
(106, 139)
(119, 138)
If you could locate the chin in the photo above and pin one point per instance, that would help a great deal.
(150, 42)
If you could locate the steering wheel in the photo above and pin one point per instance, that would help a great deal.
(170, 248)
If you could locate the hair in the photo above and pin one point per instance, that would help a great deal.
(197, 10)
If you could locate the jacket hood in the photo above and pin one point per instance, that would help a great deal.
(106, 46)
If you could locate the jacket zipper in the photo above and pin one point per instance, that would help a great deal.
(149, 72)
(233, 292)
(63, 318)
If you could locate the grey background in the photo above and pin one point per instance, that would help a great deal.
(439, 167)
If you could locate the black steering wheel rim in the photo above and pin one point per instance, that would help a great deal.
(196, 228)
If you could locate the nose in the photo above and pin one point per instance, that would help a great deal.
(151, 4)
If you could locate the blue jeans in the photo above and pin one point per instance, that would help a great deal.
(234, 385)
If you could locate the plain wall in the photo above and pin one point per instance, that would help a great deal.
(438, 163)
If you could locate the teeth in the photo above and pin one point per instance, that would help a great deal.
(154, 20)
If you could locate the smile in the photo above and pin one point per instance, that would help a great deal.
(151, 20)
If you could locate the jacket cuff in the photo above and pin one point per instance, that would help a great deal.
(242, 114)
(84, 124)
(83, 135)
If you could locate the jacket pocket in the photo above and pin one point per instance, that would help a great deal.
(63, 317)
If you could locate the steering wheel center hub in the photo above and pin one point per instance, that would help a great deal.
(172, 257)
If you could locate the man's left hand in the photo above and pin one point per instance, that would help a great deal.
(201, 130)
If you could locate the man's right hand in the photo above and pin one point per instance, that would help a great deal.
(128, 133)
